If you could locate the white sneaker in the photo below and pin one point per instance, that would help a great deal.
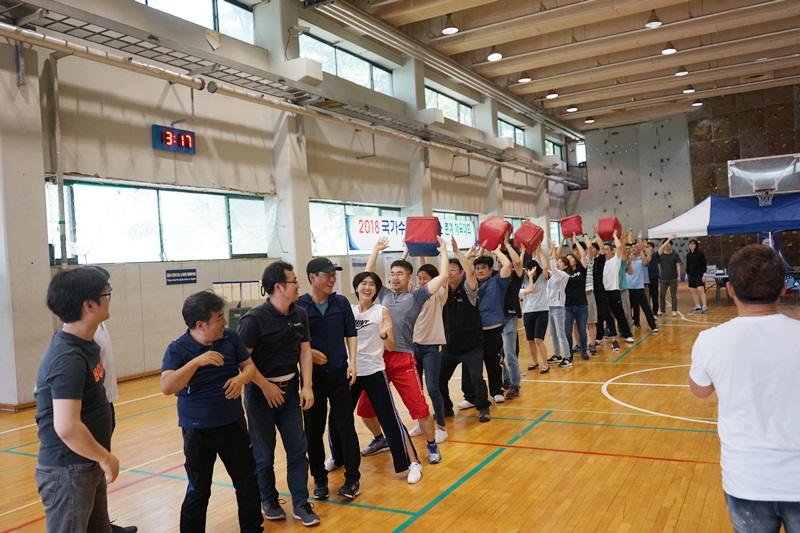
(330, 465)
(629, 339)
(414, 473)
(674, 313)
(499, 398)
(441, 435)
(415, 431)
(465, 405)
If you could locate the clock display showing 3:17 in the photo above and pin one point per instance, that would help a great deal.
(174, 140)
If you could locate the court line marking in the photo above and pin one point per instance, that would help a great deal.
(608, 395)
(640, 341)
(416, 516)
(600, 424)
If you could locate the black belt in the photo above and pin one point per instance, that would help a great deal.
(283, 384)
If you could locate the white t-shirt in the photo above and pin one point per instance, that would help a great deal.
(103, 339)
(754, 364)
(611, 273)
(429, 327)
(369, 356)
(537, 300)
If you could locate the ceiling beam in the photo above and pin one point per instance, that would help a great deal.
(769, 11)
(408, 11)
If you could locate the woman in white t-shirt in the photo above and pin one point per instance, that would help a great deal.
(375, 334)
(536, 310)
(556, 298)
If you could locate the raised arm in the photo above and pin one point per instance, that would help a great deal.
(590, 251)
(444, 268)
(597, 238)
(644, 253)
(581, 251)
(382, 244)
(661, 248)
(619, 245)
(516, 260)
(466, 266)
(505, 262)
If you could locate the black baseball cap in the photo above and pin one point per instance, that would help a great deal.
(321, 264)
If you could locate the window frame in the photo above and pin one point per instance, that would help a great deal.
(372, 65)
(215, 13)
(515, 129)
(459, 105)
(383, 210)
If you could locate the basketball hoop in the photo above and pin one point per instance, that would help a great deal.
(765, 197)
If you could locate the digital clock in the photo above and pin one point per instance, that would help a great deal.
(173, 140)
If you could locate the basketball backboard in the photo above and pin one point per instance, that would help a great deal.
(780, 173)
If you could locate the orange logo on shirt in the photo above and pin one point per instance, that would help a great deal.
(98, 372)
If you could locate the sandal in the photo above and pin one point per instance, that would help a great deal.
(544, 370)
(533, 367)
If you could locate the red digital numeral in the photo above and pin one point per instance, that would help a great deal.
(168, 138)
(186, 140)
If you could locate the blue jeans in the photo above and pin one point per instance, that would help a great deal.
(510, 339)
(579, 314)
(429, 364)
(74, 497)
(749, 516)
(288, 419)
(558, 333)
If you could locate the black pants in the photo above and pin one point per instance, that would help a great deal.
(654, 295)
(201, 448)
(376, 387)
(472, 365)
(492, 359)
(332, 387)
(604, 317)
(615, 302)
(639, 300)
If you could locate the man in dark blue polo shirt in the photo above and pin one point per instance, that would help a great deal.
(202, 368)
(333, 335)
(277, 336)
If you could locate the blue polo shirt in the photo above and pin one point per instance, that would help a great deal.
(202, 403)
(491, 297)
(636, 280)
(329, 330)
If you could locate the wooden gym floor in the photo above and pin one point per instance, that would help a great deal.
(617, 443)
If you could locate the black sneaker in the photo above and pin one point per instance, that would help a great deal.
(378, 444)
(485, 416)
(305, 513)
(506, 384)
(585, 356)
(321, 490)
(273, 510)
(449, 413)
(555, 359)
(565, 362)
(350, 489)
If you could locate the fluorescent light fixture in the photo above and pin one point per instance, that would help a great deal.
(681, 71)
(494, 55)
(697, 103)
(551, 94)
(653, 21)
(589, 120)
(572, 108)
(688, 90)
(524, 78)
(669, 49)
(449, 26)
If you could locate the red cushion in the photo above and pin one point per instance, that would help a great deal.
(492, 232)
(421, 233)
(528, 236)
(606, 227)
(571, 226)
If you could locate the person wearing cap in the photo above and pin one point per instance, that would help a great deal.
(333, 337)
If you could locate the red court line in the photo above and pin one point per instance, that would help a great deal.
(116, 489)
(580, 452)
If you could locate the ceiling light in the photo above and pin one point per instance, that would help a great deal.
(697, 103)
(653, 21)
(681, 71)
(669, 49)
(449, 26)
(572, 108)
(524, 78)
(688, 90)
(551, 95)
(589, 120)
(494, 55)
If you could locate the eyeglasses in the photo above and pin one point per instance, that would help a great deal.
(106, 294)
(397, 274)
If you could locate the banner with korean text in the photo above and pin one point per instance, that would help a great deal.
(364, 232)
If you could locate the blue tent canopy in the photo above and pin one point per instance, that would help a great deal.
(718, 215)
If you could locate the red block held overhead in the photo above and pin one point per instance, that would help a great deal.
(528, 236)
(606, 227)
(572, 225)
(421, 233)
(492, 232)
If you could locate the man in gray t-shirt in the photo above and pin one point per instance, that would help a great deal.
(401, 369)
(670, 263)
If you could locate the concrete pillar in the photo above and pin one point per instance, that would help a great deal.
(26, 325)
(409, 85)
(534, 139)
(485, 115)
(419, 184)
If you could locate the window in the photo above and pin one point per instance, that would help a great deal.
(451, 108)
(346, 65)
(121, 224)
(225, 16)
(555, 231)
(505, 129)
(329, 226)
(551, 148)
(516, 222)
(580, 153)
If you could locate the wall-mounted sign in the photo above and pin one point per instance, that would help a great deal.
(173, 140)
(179, 277)
(364, 232)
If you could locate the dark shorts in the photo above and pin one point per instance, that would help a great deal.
(535, 324)
(695, 283)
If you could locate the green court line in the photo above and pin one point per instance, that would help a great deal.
(584, 411)
(16, 468)
(629, 350)
(596, 424)
(466, 477)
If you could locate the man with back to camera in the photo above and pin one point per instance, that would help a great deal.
(72, 411)
(333, 336)
(758, 416)
(206, 368)
(276, 335)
